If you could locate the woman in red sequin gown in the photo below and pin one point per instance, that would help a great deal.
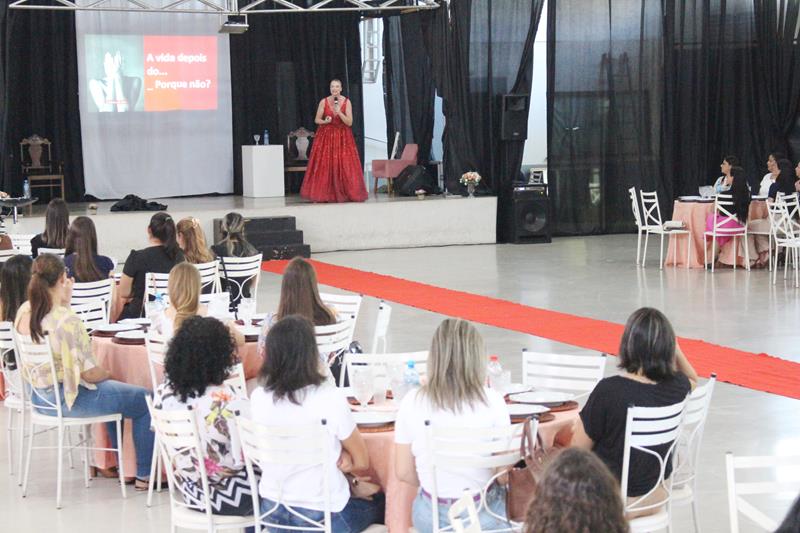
(334, 171)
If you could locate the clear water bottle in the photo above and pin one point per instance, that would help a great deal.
(266, 137)
(26, 188)
(411, 376)
(493, 371)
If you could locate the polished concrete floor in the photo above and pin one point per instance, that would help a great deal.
(594, 277)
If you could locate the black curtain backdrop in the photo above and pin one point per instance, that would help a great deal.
(280, 70)
(39, 93)
(408, 84)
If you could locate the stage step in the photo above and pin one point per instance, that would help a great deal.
(275, 237)
(267, 238)
(286, 251)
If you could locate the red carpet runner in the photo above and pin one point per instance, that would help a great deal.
(756, 371)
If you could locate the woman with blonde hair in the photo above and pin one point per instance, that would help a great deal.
(192, 241)
(455, 395)
(183, 288)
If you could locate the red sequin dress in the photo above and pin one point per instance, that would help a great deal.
(334, 171)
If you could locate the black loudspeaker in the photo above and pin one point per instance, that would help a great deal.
(514, 117)
(530, 215)
(413, 178)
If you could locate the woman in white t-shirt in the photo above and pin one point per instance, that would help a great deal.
(296, 392)
(454, 396)
(772, 174)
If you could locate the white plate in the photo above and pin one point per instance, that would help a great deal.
(541, 397)
(526, 409)
(689, 198)
(138, 321)
(130, 335)
(374, 418)
(758, 197)
(515, 388)
(113, 328)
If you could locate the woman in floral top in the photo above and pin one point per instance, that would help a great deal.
(84, 387)
(198, 360)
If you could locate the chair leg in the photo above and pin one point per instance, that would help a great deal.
(21, 446)
(644, 251)
(85, 431)
(688, 249)
(68, 437)
(713, 252)
(746, 245)
(120, 460)
(153, 465)
(31, 435)
(638, 247)
(694, 516)
(661, 253)
(705, 253)
(60, 465)
(10, 433)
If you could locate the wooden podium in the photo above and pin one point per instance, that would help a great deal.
(262, 171)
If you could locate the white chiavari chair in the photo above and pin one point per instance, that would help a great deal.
(16, 408)
(724, 215)
(652, 224)
(241, 272)
(576, 374)
(381, 327)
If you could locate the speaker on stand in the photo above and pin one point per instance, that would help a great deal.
(530, 215)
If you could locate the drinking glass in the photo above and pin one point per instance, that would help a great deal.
(247, 308)
(502, 382)
(362, 383)
(380, 385)
(256, 138)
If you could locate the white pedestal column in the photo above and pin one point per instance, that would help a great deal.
(262, 171)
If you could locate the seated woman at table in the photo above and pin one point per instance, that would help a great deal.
(162, 254)
(295, 392)
(14, 278)
(655, 374)
(576, 493)
(785, 182)
(234, 243)
(455, 395)
(197, 363)
(723, 183)
(56, 227)
(740, 193)
(85, 388)
(192, 241)
(81, 258)
(183, 288)
(772, 173)
(299, 296)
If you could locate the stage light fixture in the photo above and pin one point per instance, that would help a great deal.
(235, 25)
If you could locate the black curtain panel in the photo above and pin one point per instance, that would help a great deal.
(280, 70)
(408, 84)
(604, 106)
(39, 93)
(777, 69)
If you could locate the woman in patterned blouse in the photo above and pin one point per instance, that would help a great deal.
(84, 387)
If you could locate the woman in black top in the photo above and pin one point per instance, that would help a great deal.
(785, 181)
(162, 254)
(655, 373)
(81, 259)
(56, 226)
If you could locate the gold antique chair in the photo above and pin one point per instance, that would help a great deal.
(37, 165)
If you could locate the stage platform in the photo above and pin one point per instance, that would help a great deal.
(377, 223)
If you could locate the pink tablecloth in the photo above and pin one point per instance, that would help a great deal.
(694, 215)
(400, 496)
(129, 364)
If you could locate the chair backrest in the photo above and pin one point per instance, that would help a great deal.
(577, 374)
(13, 379)
(178, 441)
(381, 327)
(238, 271)
(93, 313)
(651, 210)
(156, 352)
(637, 216)
(22, 242)
(35, 359)
(645, 428)
(5, 255)
(301, 447)
(787, 228)
(788, 484)
(776, 211)
(236, 379)
(344, 304)
(687, 452)
(58, 252)
(209, 275)
(465, 449)
(335, 337)
(94, 291)
(156, 283)
(723, 205)
(382, 362)
(464, 506)
(410, 152)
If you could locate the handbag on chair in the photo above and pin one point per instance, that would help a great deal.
(523, 477)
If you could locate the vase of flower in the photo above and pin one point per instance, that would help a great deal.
(470, 180)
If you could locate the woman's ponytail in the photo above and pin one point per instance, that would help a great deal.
(162, 227)
(47, 270)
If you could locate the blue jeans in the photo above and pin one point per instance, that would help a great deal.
(111, 397)
(422, 511)
(356, 516)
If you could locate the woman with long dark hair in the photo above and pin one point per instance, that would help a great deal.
(655, 373)
(85, 388)
(162, 254)
(14, 278)
(294, 391)
(81, 258)
(577, 493)
(723, 183)
(785, 181)
(740, 193)
(56, 227)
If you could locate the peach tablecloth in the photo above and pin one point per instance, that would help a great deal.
(694, 215)
(129, 364)
(400, 496)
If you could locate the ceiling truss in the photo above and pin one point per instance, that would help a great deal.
(229, 7)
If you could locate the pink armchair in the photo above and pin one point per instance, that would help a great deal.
(389, 169)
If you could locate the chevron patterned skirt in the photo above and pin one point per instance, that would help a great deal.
(230, 496)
